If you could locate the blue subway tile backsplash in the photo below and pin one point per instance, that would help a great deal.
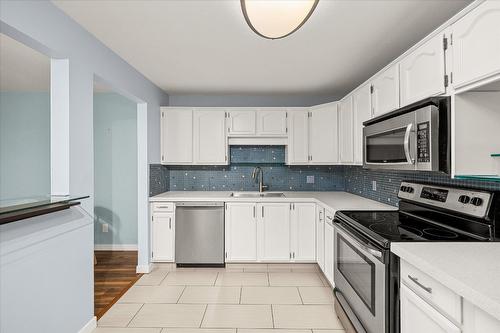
(280, 177)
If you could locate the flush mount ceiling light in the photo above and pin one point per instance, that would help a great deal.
(274, 19)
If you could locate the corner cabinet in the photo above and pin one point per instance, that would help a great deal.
(346, 128)
(162, 232)
(385, 91)
(176, 136)
(476, 45)
(241, 232)
(423, 71)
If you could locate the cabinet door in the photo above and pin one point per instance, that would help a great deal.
(303, 231)
(320, 238)
(298, 137)
(210, 143)
(329, 256)
(346, 131)
(274, 232)
(478, 321)
(422, 72)
(241, 122)
(241, 232)
(362, 110)
(385, 96)
(476, 44)
(177, 136)
(271, 122)
(323, 145)
(162, 237)
(418, 316)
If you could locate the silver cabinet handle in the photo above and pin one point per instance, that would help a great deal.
(254, 211)
(162, 207)
(415, 280)
(170, 223)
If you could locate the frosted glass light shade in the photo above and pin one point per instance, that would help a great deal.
(275, 19)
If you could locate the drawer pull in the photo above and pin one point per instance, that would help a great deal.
(415, 280)
(166, 207)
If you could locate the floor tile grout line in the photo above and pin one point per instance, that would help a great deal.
(204, 313)
(272, 316)
(180, 296)
(241, 292)
(300, 295)
(135, 315)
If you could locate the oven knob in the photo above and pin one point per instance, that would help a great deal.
(464, 199)
(476, 201)
(403, 188)
(410, 190)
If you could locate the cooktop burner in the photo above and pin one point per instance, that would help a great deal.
(390, 229)
(440, 233)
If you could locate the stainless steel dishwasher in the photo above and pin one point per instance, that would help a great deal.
(199, 234)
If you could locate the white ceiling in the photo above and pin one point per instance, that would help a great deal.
(22, 68)
(206, 47)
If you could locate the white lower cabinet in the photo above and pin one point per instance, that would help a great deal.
(163, 237)
(303, 231)
(478, 321)
(273, 232)
(320, 237)
(329, 247)
(418, 316)
(241, 232)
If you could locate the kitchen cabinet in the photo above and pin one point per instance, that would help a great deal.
(272, 122)
(385, 91)
(478, 321)
(241, 232)
(346, 127)
(323, 134)
(210, 140)
(303, 231)
(476, 45)
(418, 316)
(273, 232)
(242, 122)
(163, 237)
(297, 150)
(329, 247)
(320, 237)
(176, 136)
(423, 71)
(362, 111)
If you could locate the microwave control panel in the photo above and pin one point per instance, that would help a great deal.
(423, 142)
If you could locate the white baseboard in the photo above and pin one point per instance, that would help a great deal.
(115, 247)
(90, 326)
(145, 269)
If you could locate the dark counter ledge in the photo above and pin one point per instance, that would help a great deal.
(15, 210)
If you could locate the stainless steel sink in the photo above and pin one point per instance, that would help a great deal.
(257, 195)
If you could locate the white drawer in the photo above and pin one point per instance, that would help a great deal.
(435, 293)
(163, 207)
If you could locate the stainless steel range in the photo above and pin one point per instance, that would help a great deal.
(366, 274)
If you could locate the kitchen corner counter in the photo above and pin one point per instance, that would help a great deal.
(472, 270)
(333, 200)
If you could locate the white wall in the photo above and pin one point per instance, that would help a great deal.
(42, 26)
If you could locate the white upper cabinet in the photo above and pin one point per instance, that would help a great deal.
(323, 135)
(346, 130)
(303, 231)
(242, 122)
(176, 136)
(298, 137)
(362, 111)
(423, 71)
(210, 140)
(241, 231)
(271, 122)
(273, 232)
(476, 44)
(385, 96)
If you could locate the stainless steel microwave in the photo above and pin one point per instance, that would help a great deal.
(416, 137)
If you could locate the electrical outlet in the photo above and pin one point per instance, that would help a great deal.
(105, 227)
(310, 179)
(374, 185)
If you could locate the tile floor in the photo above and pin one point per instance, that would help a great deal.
(241, 298)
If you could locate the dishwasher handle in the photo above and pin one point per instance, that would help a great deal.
(200, 204)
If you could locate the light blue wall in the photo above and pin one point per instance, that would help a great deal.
(115, 169)
(24, 144)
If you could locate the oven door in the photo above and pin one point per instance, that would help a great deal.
(391, 143)
(360, 276)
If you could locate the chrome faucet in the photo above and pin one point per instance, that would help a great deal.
(255, 174)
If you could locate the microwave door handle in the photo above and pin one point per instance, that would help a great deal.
(407, 144)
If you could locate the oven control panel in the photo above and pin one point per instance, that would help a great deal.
(474, 203)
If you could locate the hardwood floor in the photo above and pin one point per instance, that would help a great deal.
(114, 274)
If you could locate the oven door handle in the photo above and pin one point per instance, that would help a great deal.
(406, 144)
(365, 247)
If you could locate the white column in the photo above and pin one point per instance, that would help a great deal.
(59, 126)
